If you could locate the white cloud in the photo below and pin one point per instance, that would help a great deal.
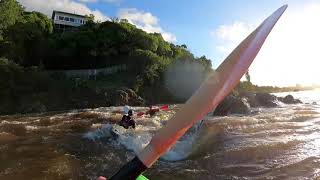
(113, 1)
(222, 49)
(234, 32)
(47, 6)
(89, 1)
(230, 36)
(145, 21)
(290, 54)
(107, 1)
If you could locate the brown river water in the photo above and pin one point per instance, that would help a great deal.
(272, 143)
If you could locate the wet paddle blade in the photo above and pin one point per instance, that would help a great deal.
(218, 85)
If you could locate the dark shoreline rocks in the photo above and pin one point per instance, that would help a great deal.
(79, 99)
(242, 103)
(232, 105)
(266, 100)
(289, 99)
(124, 96)
(260, 99)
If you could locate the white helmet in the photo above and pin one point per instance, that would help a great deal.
(126, 108)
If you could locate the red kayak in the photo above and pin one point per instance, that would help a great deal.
(154, 110)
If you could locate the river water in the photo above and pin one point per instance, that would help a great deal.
(271, 143)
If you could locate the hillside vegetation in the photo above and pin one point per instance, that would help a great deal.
(29, 48)
(156, 70)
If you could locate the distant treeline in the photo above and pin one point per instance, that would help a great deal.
(247, 86)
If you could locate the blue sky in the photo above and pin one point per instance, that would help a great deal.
(214, 27)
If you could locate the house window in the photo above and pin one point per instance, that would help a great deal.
(80, 21)
(66, 18)
(61, 18)
(72, 19)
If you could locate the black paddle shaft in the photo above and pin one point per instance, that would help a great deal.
(130, 171)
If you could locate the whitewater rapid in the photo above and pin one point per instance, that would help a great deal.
(270, 143)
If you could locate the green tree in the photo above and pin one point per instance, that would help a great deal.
(248, 78)
(90, 17)
(206, 63)
(27, 38)
(164, 48)
(184, 46)
(10, 12)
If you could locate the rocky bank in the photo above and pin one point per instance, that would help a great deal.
(242, 103)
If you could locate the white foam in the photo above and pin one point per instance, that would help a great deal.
(104, 131)
(31, 128)
(184, 147)
(181, 150)
(13, 122)
(136, 139)
(134, 142)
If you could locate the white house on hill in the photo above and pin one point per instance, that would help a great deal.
(64, 21)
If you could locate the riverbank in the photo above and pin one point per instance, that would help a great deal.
(32, 90)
